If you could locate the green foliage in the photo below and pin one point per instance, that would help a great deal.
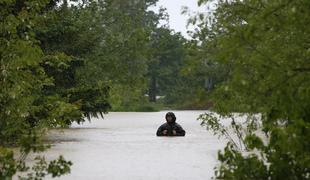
(108, 41)
(264, 48)
(239, 134)
(139, 107)
(68, 35)
(9, 166)
(235, 166)
(94, 100)
(187, 72)
(27, 106)
(60, 64)
(164, 67)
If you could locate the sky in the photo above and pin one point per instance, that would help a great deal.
(177, 21)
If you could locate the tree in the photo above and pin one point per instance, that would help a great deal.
(168, 53)
(202, 74)
(120, 59)
(58, 64)
(22, 81)
(68, 36)
(265, 46)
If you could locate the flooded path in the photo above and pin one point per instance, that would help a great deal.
(123, 146)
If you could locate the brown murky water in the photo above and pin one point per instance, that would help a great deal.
(123, 146)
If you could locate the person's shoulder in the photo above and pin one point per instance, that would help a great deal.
(163, 125)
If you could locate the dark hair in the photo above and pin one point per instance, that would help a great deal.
(171, 114)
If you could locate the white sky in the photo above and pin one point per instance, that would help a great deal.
(177, 21)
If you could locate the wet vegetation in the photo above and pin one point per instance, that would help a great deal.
(264, 47)
(65, 61)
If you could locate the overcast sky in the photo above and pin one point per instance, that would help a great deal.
(177, 21)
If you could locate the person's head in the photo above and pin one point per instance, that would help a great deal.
(170, 117)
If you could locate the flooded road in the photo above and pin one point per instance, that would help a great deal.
(124, 146)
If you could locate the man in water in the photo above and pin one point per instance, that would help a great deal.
(170, 128)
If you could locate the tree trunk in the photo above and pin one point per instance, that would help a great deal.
(152, 89)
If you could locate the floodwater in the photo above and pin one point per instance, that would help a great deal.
(123, 146)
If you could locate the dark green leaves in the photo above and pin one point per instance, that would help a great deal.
(265, 48)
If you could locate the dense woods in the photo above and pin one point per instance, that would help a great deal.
(264, 48)
(65, 61)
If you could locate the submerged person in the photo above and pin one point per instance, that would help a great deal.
(170, 128)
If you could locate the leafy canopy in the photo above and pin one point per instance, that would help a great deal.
(265, 47)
